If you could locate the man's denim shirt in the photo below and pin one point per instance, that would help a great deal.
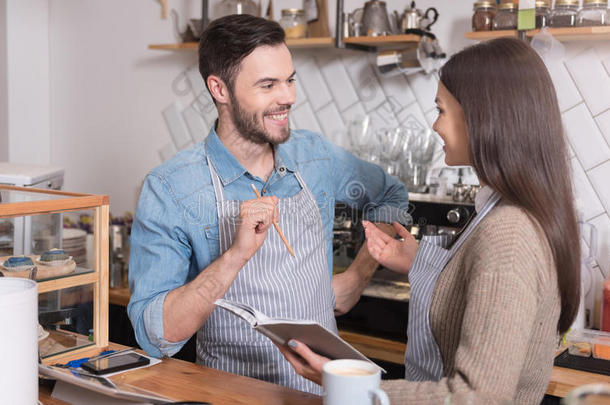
(175, 230)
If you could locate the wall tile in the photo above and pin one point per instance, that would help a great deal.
(603, 120)
(412, 116)
(384, 117)
(567, 93)
(197, 127)
(600, 179)
(396, 89)
(312, 82)
(339, 83)
(587, 201)
(591, 79)
(175, 124)
(602, 223)
(301, 95)
(167, 152)
(332, 124)
(206, 107)
(196, 81)
(424, 86)
(354, 112)
(431, 116)
(304, 118)
(585, 137)
(365, 82)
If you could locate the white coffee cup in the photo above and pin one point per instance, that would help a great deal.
(354, 382)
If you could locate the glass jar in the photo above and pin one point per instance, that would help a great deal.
(564, 14)
(294, 23)
(228, 7)
(506, 17)
(543, 13)
(593, 13)
(484, 12)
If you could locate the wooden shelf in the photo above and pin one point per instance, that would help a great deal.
(323, 42)
(486, 35)
(184, 46)
(562, 34)
(383, 41)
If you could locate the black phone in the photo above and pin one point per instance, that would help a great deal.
(115, 363)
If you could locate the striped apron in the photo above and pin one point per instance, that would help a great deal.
(423, 360)
(275, 283)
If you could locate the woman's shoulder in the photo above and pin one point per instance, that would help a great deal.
(510, 239)
(509, 223)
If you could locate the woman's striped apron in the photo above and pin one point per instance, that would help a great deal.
(423, 360)
(275, 283)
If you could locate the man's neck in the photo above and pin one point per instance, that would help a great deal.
(257, 159)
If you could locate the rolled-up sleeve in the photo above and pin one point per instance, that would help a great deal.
(366, 186)
(159, 263)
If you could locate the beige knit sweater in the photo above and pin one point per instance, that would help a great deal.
(494, 315)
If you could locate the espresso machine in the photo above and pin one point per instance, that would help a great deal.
(384, 306)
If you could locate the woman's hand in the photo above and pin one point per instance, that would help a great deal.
(389, 252)
(305, 362)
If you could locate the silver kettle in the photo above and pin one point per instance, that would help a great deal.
(414, 18)
(372, 19)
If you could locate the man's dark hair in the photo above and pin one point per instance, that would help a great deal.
(228, 40)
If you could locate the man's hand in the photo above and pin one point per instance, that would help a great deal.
(348, 285)
(255, 218)
(391, 253)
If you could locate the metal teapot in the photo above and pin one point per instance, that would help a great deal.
(414, 18)
(372, 19)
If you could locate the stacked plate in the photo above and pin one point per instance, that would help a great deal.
(74, 242)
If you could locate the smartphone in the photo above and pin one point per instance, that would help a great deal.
(115, 363)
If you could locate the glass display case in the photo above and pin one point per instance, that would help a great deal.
(72, 274)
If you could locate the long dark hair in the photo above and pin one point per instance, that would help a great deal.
(518, 147)
(228, 40)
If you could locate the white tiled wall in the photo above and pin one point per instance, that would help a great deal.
(335, 87)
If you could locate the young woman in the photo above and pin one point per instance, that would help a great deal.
(486, 309)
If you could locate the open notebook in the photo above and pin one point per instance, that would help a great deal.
(280, 331)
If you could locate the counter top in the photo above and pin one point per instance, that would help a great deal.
(181, 381)
(563, 380)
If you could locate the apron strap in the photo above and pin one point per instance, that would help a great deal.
(301, 182)
(218, 189)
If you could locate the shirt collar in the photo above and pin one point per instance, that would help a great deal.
(483, 195)
(283, 160)
(225, 164)
(229, 168)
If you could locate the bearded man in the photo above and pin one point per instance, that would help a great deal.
(200, 233)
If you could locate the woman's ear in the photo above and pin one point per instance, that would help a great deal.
(218, 89)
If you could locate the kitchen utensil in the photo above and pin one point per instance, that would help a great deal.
(185, 36)
(375, 20)
(228, 7)
(460, 192)
(414, 18)
(275, 225)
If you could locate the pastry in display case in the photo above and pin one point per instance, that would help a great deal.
(72, 291)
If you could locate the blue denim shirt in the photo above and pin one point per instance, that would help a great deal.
(175, 230)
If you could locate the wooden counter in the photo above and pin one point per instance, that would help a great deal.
(563, 380)
(181, 381)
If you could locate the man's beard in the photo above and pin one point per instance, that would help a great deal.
(250, 129)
